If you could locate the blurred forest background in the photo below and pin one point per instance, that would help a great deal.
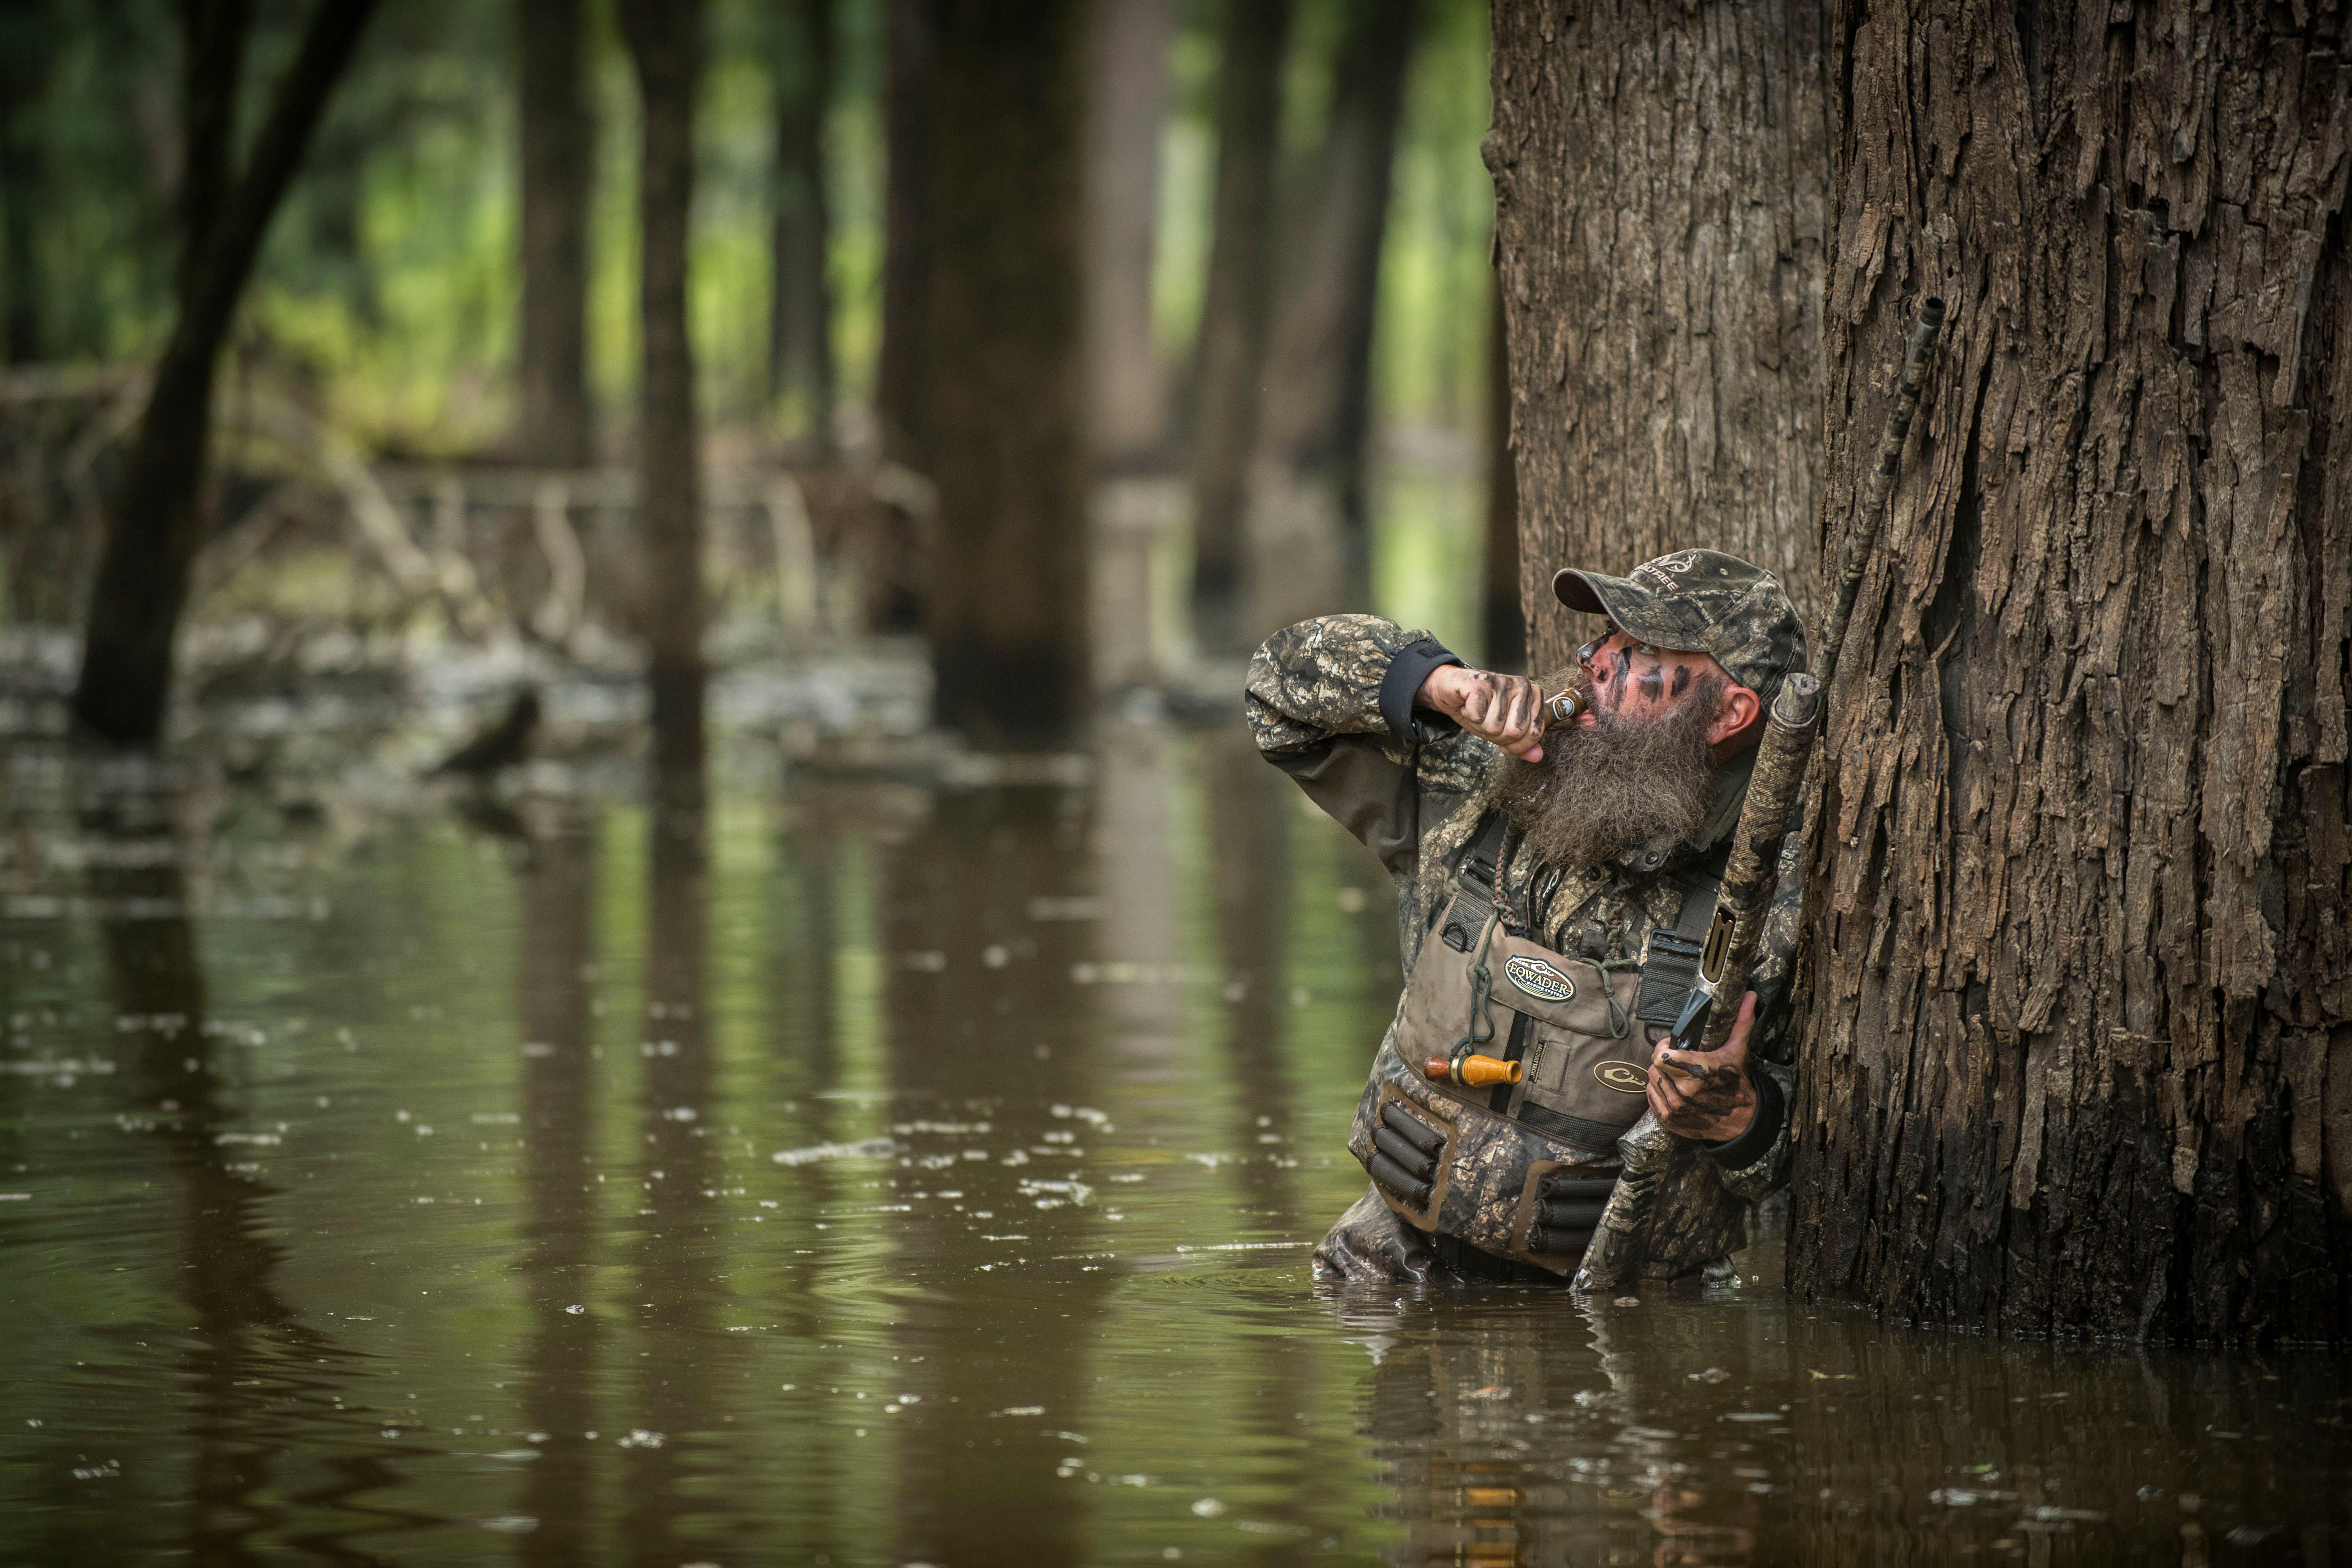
(1063, 349)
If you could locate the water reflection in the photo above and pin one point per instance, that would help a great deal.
(968, 1050)
(890, 1174)
(678, 1240)
(554, 959)
(249, 1363)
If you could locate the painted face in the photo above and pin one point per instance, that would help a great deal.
(1634, 681)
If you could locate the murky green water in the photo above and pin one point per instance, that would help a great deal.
(926, 1176)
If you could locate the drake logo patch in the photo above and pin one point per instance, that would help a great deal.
(1537, 978)
(1623, 1077)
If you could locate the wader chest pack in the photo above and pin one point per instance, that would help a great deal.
(1470, 1162)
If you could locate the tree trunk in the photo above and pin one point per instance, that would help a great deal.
(901, 378)
(800, 328)
(1503, 612)
(1318, 416)
(1007, 370)
(27, 43)
(1127, 112)
(1661, 198)
(665, 40)
(559, 155)
(141, 585)
(2080, 1053)
(1230, 352)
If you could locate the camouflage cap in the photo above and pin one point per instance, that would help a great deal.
(1702, 600)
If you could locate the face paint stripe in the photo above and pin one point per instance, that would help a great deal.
(1654, 686)
(1682, 678)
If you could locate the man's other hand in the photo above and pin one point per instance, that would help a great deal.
(1707, 1094)
(1504, 708)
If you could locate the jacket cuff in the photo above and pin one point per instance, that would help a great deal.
(1771, 1111)
(1407, 670)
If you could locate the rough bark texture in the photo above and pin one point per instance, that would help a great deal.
(899, 378)
(1230, 352)
(1503, 619)
(141, 586)
(1006, 370)
(2082, 1056)
(1660, 201)
(665, 40)
(799, 322)
(558, 156)
(1127, 112)
(1319, 375)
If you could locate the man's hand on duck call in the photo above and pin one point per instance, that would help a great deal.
(1504, 708)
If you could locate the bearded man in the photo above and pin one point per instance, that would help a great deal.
(1554, 877)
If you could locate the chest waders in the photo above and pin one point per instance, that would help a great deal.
(1471, 1161)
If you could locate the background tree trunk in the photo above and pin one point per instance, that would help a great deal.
(2082, 1045)
(1006, 401)
(665, 40)
(800, 325)
(141, 584)
(1503, 617)
(558, 156)
(1317, 418)
(27, 41)
(902, 377)
(1236, 312)
(1661, 201)
(1127, 112)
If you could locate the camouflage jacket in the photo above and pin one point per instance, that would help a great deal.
(1330, 703)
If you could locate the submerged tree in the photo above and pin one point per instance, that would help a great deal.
(1005, 369)
(665, 41)
(559, 155)
(1229, 355)
(1318, 414)
(1661, 197)
(900, 382)
(157, 522)
(2081, 1008)
(799, 322)
(1127, 112)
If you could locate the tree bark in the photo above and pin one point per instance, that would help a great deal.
(1127, 112)
(1007, 370)
(2081, 1055)
(1503, 613)
(665, 41)
(1660, 201)
(1230, 351)
(559, 155)
(800, 329)
(901, 377)
(141, 585)
(1319, 417)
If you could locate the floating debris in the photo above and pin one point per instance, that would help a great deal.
(864, 1149)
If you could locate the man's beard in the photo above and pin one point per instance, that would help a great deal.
(1600, 792)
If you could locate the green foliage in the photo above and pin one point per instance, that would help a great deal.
(389, 287)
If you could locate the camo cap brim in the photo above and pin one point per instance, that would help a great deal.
(1703, 601)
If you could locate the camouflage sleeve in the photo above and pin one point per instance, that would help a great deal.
(1327, 676)
(1330, 703)
(1757, 1161)
(1762, 1165)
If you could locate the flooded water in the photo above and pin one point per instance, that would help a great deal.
(913, 1174)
